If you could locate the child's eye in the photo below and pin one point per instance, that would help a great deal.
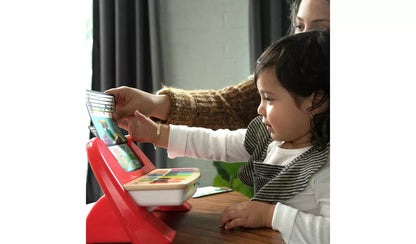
(268, 99)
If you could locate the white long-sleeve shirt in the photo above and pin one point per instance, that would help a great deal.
(302, 219)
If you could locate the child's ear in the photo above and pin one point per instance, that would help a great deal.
(317, 97)
(317, 105)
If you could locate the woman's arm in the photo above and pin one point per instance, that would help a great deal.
(232, 107)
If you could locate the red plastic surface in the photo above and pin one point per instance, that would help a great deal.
(103, 224)
(184, 207)
(116, 217)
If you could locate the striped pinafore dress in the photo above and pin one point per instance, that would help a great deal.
(276, 183)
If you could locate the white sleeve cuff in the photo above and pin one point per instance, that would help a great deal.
(177, 141)
(284, 220)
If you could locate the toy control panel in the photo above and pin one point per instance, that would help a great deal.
(164, 187)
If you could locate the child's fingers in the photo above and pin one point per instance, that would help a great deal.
(137, 114)
(232, 218)
(140, 116)
(143, 119)
(123, 124)
(237, 222)
(228, 215)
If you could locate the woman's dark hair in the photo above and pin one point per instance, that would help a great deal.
(301, 63)
(294, 8)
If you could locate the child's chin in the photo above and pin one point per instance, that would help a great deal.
(274, 137)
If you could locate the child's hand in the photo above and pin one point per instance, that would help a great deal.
(140, 127)
(251, 214)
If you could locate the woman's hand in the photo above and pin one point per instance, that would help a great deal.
(251, 214)
(130, 99)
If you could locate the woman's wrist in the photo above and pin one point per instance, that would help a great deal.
(162, 107)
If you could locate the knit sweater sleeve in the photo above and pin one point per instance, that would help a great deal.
(232, 107)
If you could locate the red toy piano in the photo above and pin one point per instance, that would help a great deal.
(132, 186)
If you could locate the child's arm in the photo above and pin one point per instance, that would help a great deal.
(251, 214)
(202, 143)
(143, 129)
(196, 142)
(294, 225)
(297, 226)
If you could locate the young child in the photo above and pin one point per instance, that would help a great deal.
(286, 147)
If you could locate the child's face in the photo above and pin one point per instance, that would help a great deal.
(284, 119)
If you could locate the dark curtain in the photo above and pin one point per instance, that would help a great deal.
(269, 20)
(126, 52)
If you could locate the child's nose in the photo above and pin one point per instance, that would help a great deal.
(260, 109)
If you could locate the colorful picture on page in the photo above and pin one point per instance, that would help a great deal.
(101, 107)
(126, 157)
(108, 131)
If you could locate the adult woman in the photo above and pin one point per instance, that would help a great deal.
(232, 107)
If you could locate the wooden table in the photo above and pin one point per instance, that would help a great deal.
(201, 223)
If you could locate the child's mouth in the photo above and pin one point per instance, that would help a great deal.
(269, 127)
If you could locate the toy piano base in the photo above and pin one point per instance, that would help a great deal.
(116, 217)
(169, 197)
(103, 226)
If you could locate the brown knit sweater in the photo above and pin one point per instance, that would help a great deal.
(232, 107)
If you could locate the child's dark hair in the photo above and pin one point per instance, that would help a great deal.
(302, 64)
